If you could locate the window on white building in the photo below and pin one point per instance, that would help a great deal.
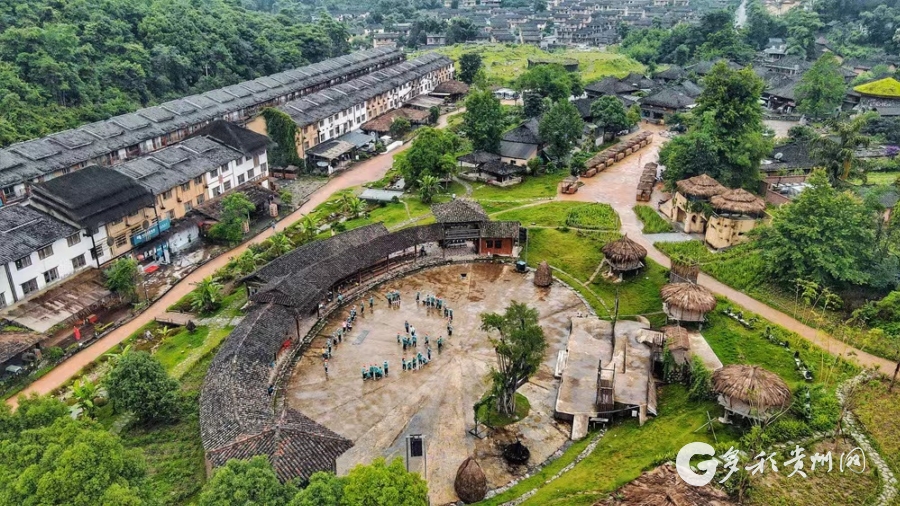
(79, 261)
(256, 160)
(29, 286)
(74, 239)
(46, 251)
(241, 179)
(217, 191)
(227, 185)
(51, 275)
(23, 263)
(97, 252)
(214, 173)
(2, 300)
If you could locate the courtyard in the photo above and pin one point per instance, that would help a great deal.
(437, 400)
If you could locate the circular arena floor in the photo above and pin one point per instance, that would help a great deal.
(436, 400)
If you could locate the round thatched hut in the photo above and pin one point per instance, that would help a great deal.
(702, 186)
(740, 202)
(750, 391)
(624, 255)
(679, 343)
(471, 483)
(542, 276)
(687, 302)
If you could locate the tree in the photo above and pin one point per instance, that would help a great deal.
(633, 115)
(85, 391)
(249, 482)
(824, 235)
(122, 278)
(461, 30)
(609, 114)
(725, 138)
(207, 296)
(352, 205)
(802, 27)
(821, 89)
(431, 153)
(399, 127)
(434, 114)
(837, 152)
(280, 244)
(532, 104)
(483, 121)
(324, 489)
(428, 187)
(46, 457)
(552, 81)
(520, 350)
(381, 484)
(561, 128)
(140, 384)
(469, 65)
(236, 208)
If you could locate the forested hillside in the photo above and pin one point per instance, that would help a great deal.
(67, 62)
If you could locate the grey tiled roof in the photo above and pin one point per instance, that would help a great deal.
(169, 167)
(92, 196)
(459, 211)
(517, 150)
(24, 230)
(526, 133)
(28, 160)
(318, 106)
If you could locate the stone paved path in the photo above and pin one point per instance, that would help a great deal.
(617, 186)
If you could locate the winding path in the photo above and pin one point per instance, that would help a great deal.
(617, 186)
(371, 170)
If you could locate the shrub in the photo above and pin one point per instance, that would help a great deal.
(701, 381)
(53, 353)
(788, 429)
(140, 384)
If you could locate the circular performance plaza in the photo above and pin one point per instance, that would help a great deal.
(436, 400)
(269, 390)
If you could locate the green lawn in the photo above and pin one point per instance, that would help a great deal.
(533, 187)
(575, 251)
(559, 214)
(488, 414)
(653, 222)
(882, 178)
(879, 411)
(638, 293)
(503, 63)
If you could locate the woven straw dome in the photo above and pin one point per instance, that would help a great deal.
(700, 186)
(752, 385)
(677, 337)
(542, 276)
(738, 201)
(624, 251)
(688, 296)
(471, 483)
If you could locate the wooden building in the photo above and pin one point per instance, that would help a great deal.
(750, 392)
(687, 302)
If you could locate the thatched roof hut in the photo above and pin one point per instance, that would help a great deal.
(542, 276)
(663, 487)
(701, 186)
(739, 201)
(687, 302)
(471, 483)
(750, 391)
(678, 342)
(624, 255)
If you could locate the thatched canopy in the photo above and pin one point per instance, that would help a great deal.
(677, 338)
(739, 201)
(750, 390)
(471, 483)
(663, 487)
(542, 276)
(624, 254)
(689, 297)
(700, 186)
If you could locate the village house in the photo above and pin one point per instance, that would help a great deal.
(684, 207)
(135, 134)
(38, 251)
(330, 114)
(521, 144)
(735, 213)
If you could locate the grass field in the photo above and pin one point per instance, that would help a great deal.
(879, 411)
(653, 222)
(533, 187)
(503, 63)
(560, 214)
(575, 252)
(638, 293)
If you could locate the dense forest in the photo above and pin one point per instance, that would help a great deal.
(68, 62)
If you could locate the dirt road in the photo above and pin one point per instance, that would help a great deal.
(617, 186)
(370, 170)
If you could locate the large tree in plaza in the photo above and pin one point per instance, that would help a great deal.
(483, 121)
(469, 65)
(431, 153)
(520, 348)
(727, 123)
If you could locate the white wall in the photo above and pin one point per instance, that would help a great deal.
(231, 172)
(6, 298)
(61, 259)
